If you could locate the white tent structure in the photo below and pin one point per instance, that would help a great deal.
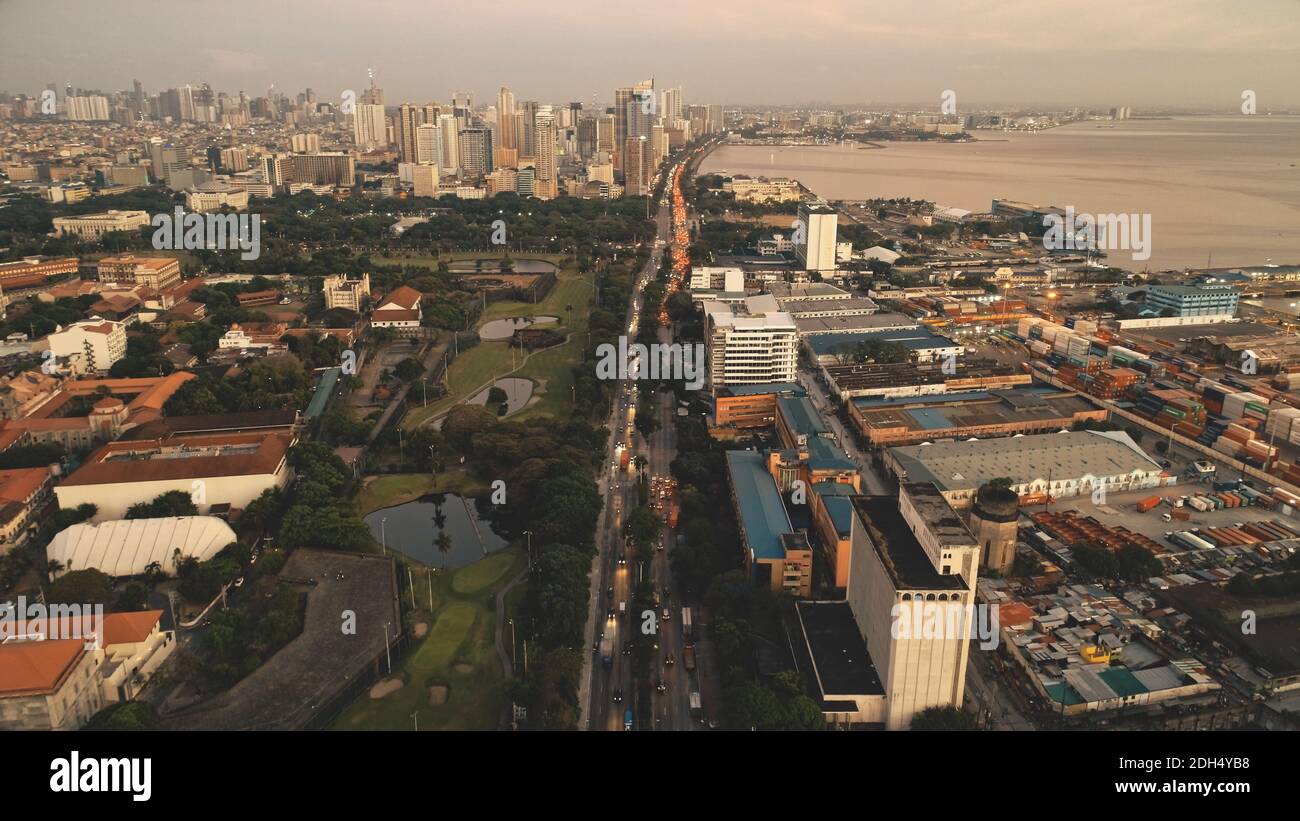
(126, 547)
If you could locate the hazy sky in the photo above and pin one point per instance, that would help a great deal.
(1050, 53)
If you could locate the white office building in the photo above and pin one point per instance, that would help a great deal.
(814, 237)
(750, 342)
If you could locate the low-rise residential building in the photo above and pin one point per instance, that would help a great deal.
(91, 345)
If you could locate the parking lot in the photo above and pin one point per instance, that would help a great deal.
(1119, 511)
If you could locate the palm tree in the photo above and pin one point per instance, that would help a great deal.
(444, 546)
(151, 572)
(51, 567)
(640, 461)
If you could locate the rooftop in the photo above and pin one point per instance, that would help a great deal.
(846, 323)
(918, 339)
(897, 546)
(1063, 456)
(762, 512)
(960, 411)
(183, 457)
(841, 663)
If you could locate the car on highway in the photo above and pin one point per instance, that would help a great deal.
(662, 686)
(618, 696)
(667, 615)
(669, 661)
(609, 614)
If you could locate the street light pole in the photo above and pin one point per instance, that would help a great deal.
(383, 534)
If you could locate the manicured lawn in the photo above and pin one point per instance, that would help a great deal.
(393, 489)
(482, 574)
(458, 652)
(549, 369)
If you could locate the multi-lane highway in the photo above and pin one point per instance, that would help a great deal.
(610, 684)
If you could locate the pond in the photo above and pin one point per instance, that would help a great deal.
(518, 392)
(504, 328)
(412, 530)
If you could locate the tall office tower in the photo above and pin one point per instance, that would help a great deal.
(425, 179)
(87, 108)
(234, 160)
(328, 168)
(428, 144)
(305, 144)
(605, 129)
(475, 146)
(913, 565)
(408, 119)
(462, 99)
(186, 96)
(429, 113)
(574, 114)
(450, 144)
(547, 185)
(622, 98)
(506, 119)
(699, 117)
(369, 127)
(658, 144)
(638, 173)
(672, 107)
(276, 170)
(526, 180)
(716, 122)
(586, 138)
(528, 128)
(372, 95)
(751, 342)
(816, 251)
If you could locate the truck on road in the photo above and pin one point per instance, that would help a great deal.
(627, 719)
(686, 622)
(607, 648)
(695, 705)
(688, 657)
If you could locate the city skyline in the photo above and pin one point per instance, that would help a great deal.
(1027, 56)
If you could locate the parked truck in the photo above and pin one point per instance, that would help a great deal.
(1148, 503)
(696, 710)
(686, 622)
(688, 657)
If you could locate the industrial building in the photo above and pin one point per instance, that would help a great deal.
(907, 553)
(1043, 466)
(981, 414)
(907, 379)
(1193, 300)
(776, 556)
(921, 345)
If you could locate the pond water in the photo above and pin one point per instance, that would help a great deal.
(518, 392)
(411, 529)
(504, 328)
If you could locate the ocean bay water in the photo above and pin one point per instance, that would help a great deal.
(1219, 189)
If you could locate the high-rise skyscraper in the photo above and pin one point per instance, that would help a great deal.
(369, 127)
(642, 96)
(475, 144)
(546, 185)
(506, 127)
(450, 144)
(409, 117)
(428, 144)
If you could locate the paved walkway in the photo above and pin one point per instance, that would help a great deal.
(501, 623)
